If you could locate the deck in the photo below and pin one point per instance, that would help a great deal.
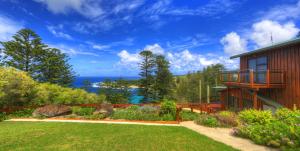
(254, 79)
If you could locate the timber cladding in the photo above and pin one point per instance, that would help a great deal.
(287, 59)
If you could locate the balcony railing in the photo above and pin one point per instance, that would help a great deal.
(254, 79)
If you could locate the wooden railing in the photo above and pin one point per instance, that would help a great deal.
(251, 78)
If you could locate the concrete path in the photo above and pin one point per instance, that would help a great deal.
(224, 135)
(91, 121)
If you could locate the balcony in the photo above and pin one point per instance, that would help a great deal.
(254, 79)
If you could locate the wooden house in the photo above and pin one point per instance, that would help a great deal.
(269, 77)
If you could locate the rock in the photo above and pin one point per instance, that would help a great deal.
(52, 111)
(105, 109)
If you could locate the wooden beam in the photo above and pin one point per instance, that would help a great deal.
(255, 101)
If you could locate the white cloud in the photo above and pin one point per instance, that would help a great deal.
(100, 47)
(263, 30)
(87, 8)
(127, 6)
(55, 31)
(8, 28)
(283, 12)
(234, 44)
(180, 62)
(155, 49)
(72, 51)
(129, 60)
(211, 8)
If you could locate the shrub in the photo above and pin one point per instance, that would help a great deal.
(132, 113)
(252, 116)
(21, 113)
(83, 111)
(207, 120)
(2, 117)
(54, 94)
(288, 116)
(227, 119)
(281, 130)
(149, 109)
(167, 117)
(16, 87)
(168, 107)
(188, 115)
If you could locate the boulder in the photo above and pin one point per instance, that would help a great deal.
(105, 109)
(52, 111)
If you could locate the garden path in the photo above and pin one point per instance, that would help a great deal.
(224, 135)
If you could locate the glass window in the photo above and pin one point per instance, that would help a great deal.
(261, 61)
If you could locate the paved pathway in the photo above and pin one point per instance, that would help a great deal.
(224, 135)
(91, 121)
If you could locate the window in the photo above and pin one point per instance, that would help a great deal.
(259, 66)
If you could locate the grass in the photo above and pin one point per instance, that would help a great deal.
(86, 136)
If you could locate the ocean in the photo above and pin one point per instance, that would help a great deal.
(134, 99)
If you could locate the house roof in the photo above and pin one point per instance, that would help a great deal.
(277, 45)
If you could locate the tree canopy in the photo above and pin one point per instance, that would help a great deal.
(28, 53)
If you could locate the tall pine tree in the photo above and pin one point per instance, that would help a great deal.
(163, 78)
(147, 79)
(27, 52)
(54, 68)
(22, 51)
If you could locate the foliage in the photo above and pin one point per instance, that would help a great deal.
(86, 85)
(188, 115)
(28, 53)
(207, 120)
(147, 113)
(253, 116)
(227, 119)
(2, 116)
(53, 94)
(22, 52)
(54, 68)
(27, 112)
(187, 87)
(116, 92)
(16, 87)
(147, 77)
(83, 111)
(168, 107)
(290, 117)
(163, 78)
(281, 130)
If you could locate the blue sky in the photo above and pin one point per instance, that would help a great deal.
(104, 37)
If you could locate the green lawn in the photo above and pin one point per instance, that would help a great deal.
(84, 136)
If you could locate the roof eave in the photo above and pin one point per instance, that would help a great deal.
(290, 42)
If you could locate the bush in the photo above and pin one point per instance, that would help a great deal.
(280, 130)
(54, 94)
(21, 113)
(188, 115)
(252, 116)
(168, 107)
(2, 117)
(83, 111)
(16, 87)
(227, 119)
(146, 113)
(207, 120)
(288, 116)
